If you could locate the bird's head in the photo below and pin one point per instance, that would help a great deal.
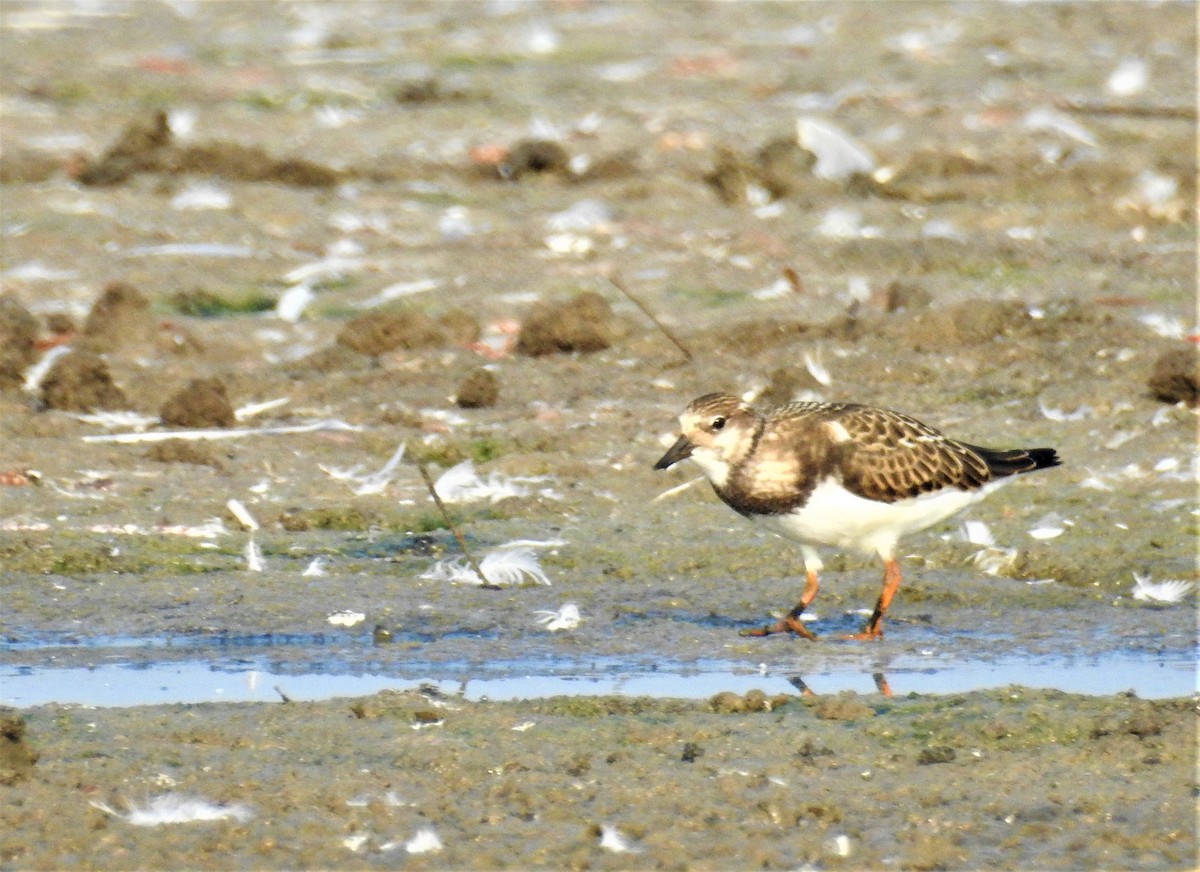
(716, 431)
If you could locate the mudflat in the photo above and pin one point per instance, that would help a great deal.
(324, 232)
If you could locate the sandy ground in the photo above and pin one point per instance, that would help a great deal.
(413, 184)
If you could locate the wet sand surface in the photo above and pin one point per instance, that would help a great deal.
(401, 220)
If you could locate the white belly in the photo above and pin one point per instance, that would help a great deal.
(834, 516)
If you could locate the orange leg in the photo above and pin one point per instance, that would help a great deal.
(891, 581)
(881, 684)
(791, 623)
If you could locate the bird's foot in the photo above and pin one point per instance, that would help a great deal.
(869, 634)
(787, 624)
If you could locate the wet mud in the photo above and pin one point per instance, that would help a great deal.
(984, 778)
(404, 224)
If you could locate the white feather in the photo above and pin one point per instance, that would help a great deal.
(424, 841)
(37, 372)
(977, 533)
(377, 482)
(506, 565)
(241, 514)
(293, 302)
(1159, 591)
(112, 420)
(462, 484)
(995, 560)
(176, 808)
(251, 409)
(611, 839)
(838, 155)
(1053, 414)
(816, 368)
(1048, 526)
(566, 618)
(254, 558)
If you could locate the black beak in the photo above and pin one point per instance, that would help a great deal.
(679, 451)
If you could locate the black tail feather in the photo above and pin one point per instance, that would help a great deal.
(1017, 460)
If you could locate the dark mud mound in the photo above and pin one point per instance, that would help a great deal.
(1176, 377)
(246, 163)
(204, 402)
(535, 157)
(140, 147)
(120, 317)
(81, 382)
(584, 323)
(729, 703)
(147, 145)
(18, 333)
(480, 389)
(16, 757)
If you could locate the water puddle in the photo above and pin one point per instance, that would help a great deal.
(248, 672)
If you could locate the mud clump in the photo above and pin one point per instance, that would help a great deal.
(81, 382)
(731, 176)
(727, 702)
(147, 145)
(781, 168)
(784, 167)
(139, 148)
(18, 333)
(16, 757)
(421, 706)
(301, 520)
(377, 333)
(935, 754)
(584, 323)
(246, 163)
(119, 317)
(844, 707)
(427, 90)
(535, 157)
(479, 390)
(203, 403)
(1176, 377)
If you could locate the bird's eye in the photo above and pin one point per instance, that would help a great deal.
(718, 423)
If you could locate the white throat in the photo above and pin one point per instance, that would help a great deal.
(715, 469)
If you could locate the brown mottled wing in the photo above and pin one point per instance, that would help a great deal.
(891, 456)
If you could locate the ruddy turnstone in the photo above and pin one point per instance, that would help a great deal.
(839, 474)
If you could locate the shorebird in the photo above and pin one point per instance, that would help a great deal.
(839, 474)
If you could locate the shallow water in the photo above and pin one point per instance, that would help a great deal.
(117, 673)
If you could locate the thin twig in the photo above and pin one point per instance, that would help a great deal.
(1179, 112)
(617, 283)
(462, 543)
